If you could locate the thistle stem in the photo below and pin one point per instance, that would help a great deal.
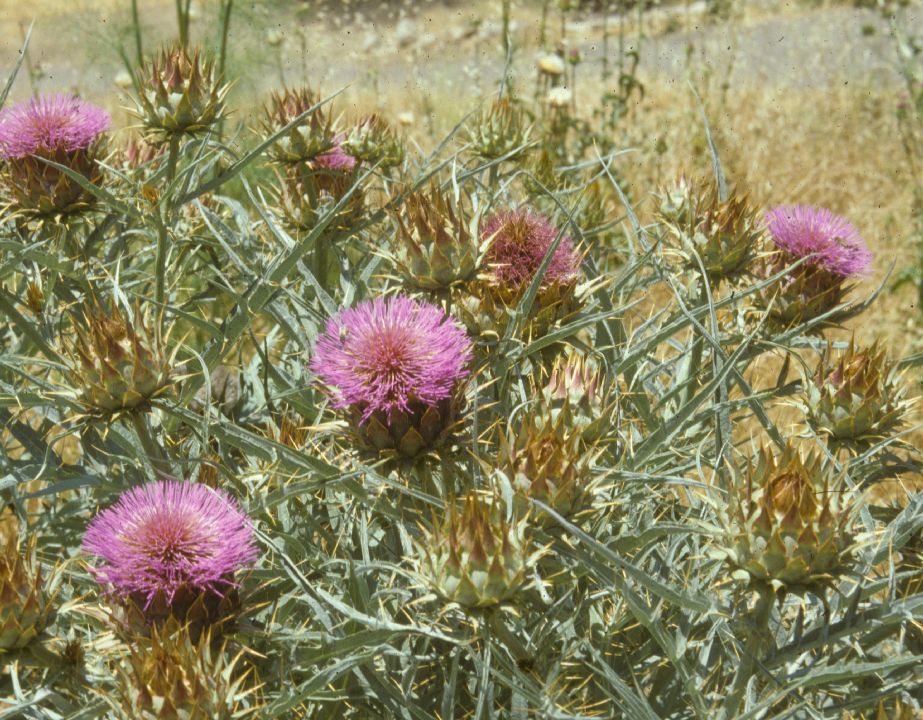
(759, 635)
(155, 453)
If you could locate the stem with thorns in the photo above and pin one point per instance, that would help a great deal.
(155, 453)
(756, 642)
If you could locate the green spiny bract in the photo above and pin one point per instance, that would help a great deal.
(499, 130)
(436, 245)
(172, 676)
(374, 142)
(312, 136)
(855, 397)
(304, 196)
(25, 601)
(35, 189)
(725, 235)
(788, 524)
(117, 363)
(804, 294)
(408, 435)
(179, 93)
(476, 558)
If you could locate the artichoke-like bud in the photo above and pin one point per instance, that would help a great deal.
(725, 235)
(477, 558)
(550, 453)
(139, 152)
(374, 142)
(436, 246)
(313, 136)
(173, 675)
(499, 130)
(305, 197)
(118, 364)
(788, 524)
(179, 93)
(855, 397)
(25, 603)
(579, 395)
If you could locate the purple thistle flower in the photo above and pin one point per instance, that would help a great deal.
(336, 159)
(519, 240)
(167, 536)
(49, 123)
(802, 230)
(387, 353)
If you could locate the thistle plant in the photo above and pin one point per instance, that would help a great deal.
(477, 558)
(435, 247)
(59, 128)
(831, 251)
(789, 523)
(395, 366)
(25, 599)
(172, 549)
(855, 397)
(517, 242)
(118, 363)
(725, 236)
(494, 444)
(179, 93)
(173, 675)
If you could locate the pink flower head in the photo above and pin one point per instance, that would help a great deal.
(519, 240)
(167, 536)
(49, 123)
(336, 159)
(802, 231)
(386, 353)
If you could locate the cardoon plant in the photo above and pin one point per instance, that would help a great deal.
(832, 252)
(395, 366)
(61, 128)
(171, 547)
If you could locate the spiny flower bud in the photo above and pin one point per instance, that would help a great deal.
(498, 130)
(174, 674)
(180, 93)
(436, 246)
(855, 397)
(517, 242)
(788, 523)
(374, 142)
(25, 602)
(60, 128)
(117, 363)
(313, 136)
(476, 558)
(550, 451)
(306, 193)
(726, 235)
(395, 365)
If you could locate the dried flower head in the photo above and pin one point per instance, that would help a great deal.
(396, 365)
(48, 124)
(832, 240)
(168, 537)
(519, 240)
